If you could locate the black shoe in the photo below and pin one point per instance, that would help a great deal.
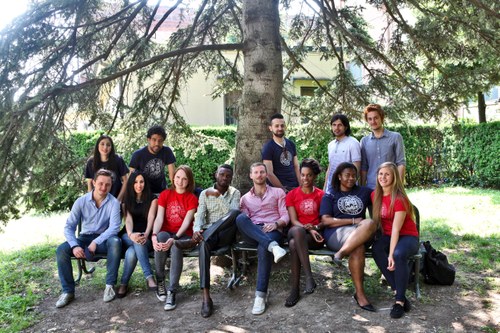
(407, 305)
(207, 308)
(185, 244)
(170, 303)
(310, 289)
(292, 299)
(397, 311)
(367, 307)
(161, 292)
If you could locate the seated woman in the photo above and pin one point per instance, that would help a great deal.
(176, 208)
(140, 212)
(303, 208)
(104, 157)
(346, 228)
(399, 240)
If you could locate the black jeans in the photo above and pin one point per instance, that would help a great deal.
(219, 234)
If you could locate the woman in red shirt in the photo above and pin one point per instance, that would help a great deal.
(399, 240)
(303, 208)
(174, 220)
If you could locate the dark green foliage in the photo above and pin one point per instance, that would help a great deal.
(459, 154)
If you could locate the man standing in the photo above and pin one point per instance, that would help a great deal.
(280, 157)
(380, 146)
(344, 148)
(99, 214)
(152, 159)
(214, 226)
(261, 222)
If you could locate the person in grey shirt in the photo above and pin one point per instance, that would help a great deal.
(379, 146)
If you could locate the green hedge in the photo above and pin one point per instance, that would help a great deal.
(459, 154)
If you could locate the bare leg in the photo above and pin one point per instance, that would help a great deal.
(357, 268)
(358, 237)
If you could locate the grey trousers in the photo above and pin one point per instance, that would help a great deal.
(176, 261)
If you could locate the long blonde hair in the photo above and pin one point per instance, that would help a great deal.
(397, 191)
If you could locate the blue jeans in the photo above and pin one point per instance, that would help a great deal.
(406, 247)
(133, 253)
(253, 234)
(111, 247)
(176, 261)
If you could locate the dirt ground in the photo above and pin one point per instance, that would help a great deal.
(457, 308)
(330, 309)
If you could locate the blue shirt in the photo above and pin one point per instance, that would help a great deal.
(104, 221)
(375, 151)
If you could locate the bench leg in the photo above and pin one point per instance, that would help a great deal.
(82, 268)
(417, 278)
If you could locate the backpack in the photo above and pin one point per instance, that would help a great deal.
(437, 269)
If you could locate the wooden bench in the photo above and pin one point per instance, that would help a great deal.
(240, 267)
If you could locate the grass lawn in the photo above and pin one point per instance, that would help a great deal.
(463, 223)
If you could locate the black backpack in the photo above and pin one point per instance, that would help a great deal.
(437, 269)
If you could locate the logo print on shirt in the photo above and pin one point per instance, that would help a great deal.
(154, 168)
(285, 158)
(350, 205)
(175, 213)
(308, 207)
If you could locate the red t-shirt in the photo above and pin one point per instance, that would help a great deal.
(176, 207)
(409, 227)
(306, 205)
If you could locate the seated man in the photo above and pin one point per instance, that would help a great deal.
(214, 226)
(99, 214)
(261, 222)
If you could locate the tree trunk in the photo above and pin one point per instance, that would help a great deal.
(481, 107)
(262, 87)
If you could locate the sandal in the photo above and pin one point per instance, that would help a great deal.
(292, 299)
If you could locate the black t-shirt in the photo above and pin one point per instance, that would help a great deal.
(282, 158)
(116, 175)
(345, 205)
(153, 166)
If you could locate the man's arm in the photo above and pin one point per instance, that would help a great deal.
(171, 170)
(402, 171)
(201, 213)
(400, 161)
(296, 168)
(71, 223)
(270, 174)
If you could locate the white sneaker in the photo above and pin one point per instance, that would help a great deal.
(278, 253)
(109, 293)
(64, 300)
(259, 306)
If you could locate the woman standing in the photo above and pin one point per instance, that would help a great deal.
(105, 158)
(140, 211)
(346, 228)
(303, 208)
(399, 240)
(174, 220)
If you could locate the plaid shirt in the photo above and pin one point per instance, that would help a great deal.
(212, 208)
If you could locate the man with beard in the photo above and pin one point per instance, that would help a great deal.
(152, 159)
(280, 157)
(344, 148)
(214, 227)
